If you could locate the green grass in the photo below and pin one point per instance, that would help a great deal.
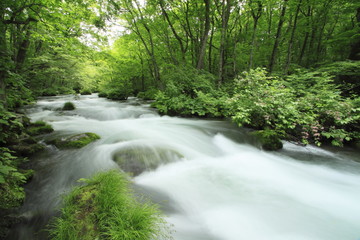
(106, 208)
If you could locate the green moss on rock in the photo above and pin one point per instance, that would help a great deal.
(269, 139)
(68, 106)
(75, 141)
(38, 128)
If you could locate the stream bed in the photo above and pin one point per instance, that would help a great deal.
(209, 177)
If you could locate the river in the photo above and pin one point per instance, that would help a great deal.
(209, 177)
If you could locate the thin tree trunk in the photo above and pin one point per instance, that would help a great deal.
(256, 17)
(176, 35)
(277, 38)
(225, 20)
(3, 58)
(204, 38)
(291, 42)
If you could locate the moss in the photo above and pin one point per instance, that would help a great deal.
(68, 106)
(105, 208)
(26, 150)
(269, 139)
(38, 128)
(75, 141)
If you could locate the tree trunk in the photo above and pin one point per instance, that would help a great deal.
(204, 38)
(277, 38)
(256, 16)
(355, 48)
(291, 41)
(176, 35)
(3, 59)
(224, 26)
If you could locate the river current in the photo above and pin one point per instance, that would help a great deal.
(210, 178)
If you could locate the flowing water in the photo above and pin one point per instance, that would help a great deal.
(209, 178)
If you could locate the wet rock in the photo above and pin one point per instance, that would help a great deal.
(38, 128)
(137, 159)
(75, 141)
(26, 150)
(269, 140)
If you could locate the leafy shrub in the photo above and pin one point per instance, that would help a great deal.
(105, 208)
(307, 105)
(148, 95)
(10, 126)
(68, 106)
(102, 94)
(85, 92)
(119, 94)
(11, 192)
(49, 92)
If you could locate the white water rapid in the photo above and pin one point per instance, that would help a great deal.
(208, 176)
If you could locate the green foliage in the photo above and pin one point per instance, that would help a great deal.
(149, 94)
(305, 105)
(119, 94)
(105, 208)
(102, 95)
(11, 192)
(10, 126)
(85, 92)
(68, 106)
(190, 92)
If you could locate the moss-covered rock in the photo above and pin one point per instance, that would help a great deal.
(68, 106)
(75, 141)
(26, 150)
(38, 128)
(136, 159)
(269, 139)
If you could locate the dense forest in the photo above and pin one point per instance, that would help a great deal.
(287, 68)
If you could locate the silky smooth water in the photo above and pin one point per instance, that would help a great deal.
(209, 177)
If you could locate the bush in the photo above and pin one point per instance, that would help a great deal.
(11, 192)
(119, 94)
(102, 95)
(85, 92)
(307, 106)
(148, 95)
(68, 106)
(105, 208)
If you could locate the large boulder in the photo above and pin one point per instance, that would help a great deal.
(139, 158)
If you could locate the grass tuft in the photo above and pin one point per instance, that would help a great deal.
(105, 208)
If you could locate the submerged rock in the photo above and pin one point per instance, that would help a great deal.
(269, 139)
(137, 159)
(75, 141)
